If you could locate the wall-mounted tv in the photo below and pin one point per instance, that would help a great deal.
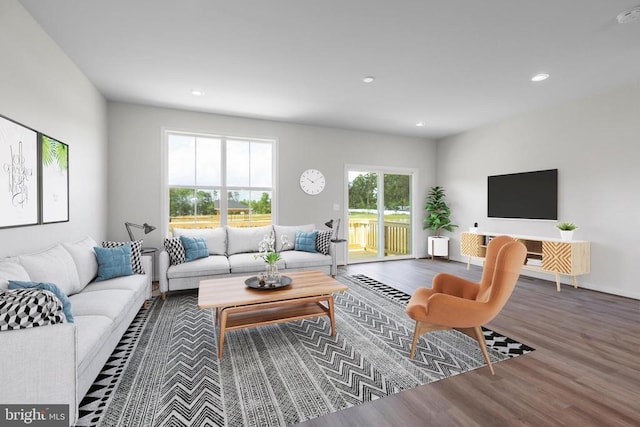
(526, 195)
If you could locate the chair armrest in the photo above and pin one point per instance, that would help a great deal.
(454, 285)
(163, 266)
(448, 310)
(39, 366)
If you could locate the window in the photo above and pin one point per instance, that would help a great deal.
(217, 180)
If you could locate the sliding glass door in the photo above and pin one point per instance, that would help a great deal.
(379, 214)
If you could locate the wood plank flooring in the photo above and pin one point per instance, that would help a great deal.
(585, 370)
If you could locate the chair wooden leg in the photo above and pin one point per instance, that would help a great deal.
(416, 334)
(164, 296)
(421, 329)
(479, 336)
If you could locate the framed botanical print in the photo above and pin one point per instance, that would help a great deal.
(55, 180)
(19, 177)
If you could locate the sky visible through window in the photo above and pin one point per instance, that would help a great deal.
(197, 161)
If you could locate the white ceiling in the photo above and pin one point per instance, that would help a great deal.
(454, 64)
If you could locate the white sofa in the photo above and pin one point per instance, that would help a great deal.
(57, 364)
(233, 250)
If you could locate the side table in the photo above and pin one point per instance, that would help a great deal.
(148, 251)
(334, 244)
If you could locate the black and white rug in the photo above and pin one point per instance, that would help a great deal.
(165, 370)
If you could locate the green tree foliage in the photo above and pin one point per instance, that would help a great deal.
(397, 192)
(181, 202)
(363, 192)
(206, 202)
(262, 206)
(438, 213)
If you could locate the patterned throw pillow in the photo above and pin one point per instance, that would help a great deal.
(174, 248)
(323, 242)
(27, 308)
(136, 253)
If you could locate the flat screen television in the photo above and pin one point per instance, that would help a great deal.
(526, 195)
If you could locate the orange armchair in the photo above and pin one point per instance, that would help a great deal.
(457, 303)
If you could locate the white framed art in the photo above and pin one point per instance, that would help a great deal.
(19, 179)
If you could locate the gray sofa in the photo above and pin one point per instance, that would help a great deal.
(57, 364)
(233, 250)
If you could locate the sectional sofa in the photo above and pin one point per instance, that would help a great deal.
(57, 363)
(234, 250)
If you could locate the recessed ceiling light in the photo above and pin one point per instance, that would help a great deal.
(420, 124)
(368, 79)
(196, 92)
(540, 77)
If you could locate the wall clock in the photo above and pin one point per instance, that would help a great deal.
(312, 181)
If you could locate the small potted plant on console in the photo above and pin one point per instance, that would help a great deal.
(566, 230)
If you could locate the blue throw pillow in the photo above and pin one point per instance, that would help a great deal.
(113, 262)
(66, 304)
(306, 241)
(194, 248)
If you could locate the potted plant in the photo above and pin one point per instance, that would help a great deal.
(437, 219)
(268, 253)
(566, 230)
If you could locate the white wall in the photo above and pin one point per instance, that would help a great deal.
(595, 145)
(41, 88)
(593, 142)
(135, 171)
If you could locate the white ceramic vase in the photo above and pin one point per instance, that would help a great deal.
(566, 235)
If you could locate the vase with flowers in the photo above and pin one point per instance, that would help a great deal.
(269, 254)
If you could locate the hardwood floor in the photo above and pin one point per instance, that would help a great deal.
(585, 370)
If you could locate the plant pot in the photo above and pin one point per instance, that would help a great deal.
(566, 235)
(438, 246)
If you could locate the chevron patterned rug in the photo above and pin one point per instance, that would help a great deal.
(165, 371)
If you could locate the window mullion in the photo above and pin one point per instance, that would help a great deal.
(224, 203)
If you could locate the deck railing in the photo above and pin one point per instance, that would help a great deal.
(363, 235)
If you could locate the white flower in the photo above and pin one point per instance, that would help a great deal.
(266, 247)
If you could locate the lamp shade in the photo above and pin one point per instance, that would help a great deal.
(148, 228)
(336, 228)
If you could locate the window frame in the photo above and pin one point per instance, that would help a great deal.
(223, 189)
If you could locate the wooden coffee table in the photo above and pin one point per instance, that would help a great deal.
(238, 306)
